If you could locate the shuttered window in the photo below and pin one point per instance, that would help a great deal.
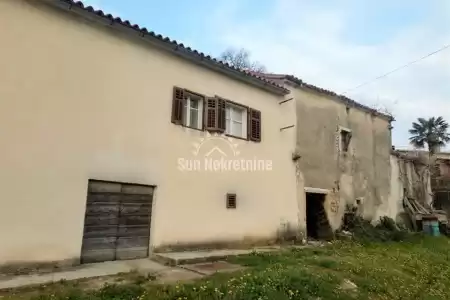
(177, 105)
(187, 108)
(215, 114)
(254, 125)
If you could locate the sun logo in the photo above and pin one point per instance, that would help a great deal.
(215, 143)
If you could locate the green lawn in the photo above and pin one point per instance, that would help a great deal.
(417, 269)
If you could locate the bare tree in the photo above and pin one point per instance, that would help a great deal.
(241, 59)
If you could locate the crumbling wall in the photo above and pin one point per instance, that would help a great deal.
(410, 177)
(415, 176)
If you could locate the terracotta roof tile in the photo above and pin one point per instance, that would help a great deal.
(342, 98)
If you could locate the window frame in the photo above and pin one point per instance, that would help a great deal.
(244, 119)
(201, 110)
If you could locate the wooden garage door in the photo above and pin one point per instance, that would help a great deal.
(117, 221)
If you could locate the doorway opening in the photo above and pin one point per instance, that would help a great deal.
(317, 225)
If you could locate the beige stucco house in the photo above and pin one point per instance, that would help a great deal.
(109, 141)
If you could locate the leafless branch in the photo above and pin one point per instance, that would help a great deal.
(241, 59)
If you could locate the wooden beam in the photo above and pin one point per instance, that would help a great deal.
(284, 101)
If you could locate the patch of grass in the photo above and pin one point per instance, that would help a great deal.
(416, 268)
(327, 263)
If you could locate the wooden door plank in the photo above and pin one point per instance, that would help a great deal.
(102, 187)
(117, 222)
(137, 190)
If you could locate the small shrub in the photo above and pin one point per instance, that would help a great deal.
(363, 231)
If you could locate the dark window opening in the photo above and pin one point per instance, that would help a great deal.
(345, 138)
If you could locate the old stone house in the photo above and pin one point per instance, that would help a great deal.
(343, 153)
(119, 142)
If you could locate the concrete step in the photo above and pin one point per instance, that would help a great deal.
(144, 266)
(194, 257)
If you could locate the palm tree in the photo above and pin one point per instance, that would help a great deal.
(432, 132)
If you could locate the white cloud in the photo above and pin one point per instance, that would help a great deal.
(310, 41)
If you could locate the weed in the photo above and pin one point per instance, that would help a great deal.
(151, 277)
(129, 291)
(62, 281)
(327, 263)
(385, 231)
(140, 279)
(416, 268)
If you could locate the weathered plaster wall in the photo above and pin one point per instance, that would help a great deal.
(393, 208)
(362, 173)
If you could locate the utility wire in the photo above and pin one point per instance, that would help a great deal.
(397, 69)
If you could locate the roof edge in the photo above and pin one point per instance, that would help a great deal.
(168, 45)
(297, 82)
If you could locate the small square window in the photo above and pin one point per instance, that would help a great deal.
(236, 120)
(193, 112)
(345, 137)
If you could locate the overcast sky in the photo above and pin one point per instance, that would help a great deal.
(335, 44)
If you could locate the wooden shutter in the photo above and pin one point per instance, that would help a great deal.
(215, 114)
(221, 113)
(211, 114)
(254, 125)
(177, 105)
